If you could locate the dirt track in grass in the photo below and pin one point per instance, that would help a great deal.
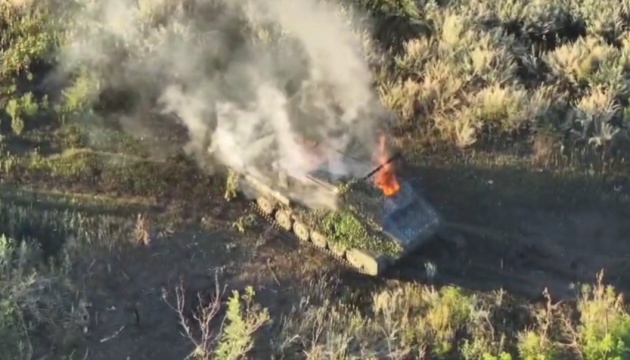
(524, 231)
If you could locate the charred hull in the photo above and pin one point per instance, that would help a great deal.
(366, 230)
(409, 219)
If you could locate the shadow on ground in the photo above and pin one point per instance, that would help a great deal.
(525, 230)
(530, 230)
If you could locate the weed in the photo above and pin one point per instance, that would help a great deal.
(34, 298)
(244, 222)
(242, 319)
(231, 185)
(604, 328)
(142, 231)
(19, 109)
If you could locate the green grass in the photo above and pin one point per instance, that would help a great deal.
(501, 104)
(347, 229)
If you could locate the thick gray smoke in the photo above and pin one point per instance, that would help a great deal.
(248, 78)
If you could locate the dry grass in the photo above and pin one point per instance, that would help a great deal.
(142, 231)
(46, 302)
(467, 77)
(20, 3)
(399, 321)
(411, 321)
(464, 82)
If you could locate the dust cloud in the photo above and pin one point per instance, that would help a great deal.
(250, 80)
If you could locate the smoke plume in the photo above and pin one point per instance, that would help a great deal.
(250, 80)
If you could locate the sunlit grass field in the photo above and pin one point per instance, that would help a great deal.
(537, 86)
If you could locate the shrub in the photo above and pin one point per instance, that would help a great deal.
(604, 327)
(33, 299)
(28, 35)
(235, 339)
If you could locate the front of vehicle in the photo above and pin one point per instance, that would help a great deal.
(408, 218)
(394, 207)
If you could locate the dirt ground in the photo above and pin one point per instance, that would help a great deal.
(527, 231)
(523, 232)
(524, 251)
(196, 260)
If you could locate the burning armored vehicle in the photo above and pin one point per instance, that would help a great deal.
(370, 222)
(313, 177)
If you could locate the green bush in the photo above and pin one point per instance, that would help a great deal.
(604, 327)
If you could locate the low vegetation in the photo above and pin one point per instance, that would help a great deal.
(544, 81)
(347, 229)
(408, 321)
(420, 322)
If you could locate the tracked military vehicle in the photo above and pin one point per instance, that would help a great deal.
(370, 222)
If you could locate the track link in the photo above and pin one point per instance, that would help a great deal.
(341, 260)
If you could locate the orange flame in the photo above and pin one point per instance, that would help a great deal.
(385, 178)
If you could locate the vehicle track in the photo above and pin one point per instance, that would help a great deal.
(416, 271)
(491, 265)
(478, 265)
(340, 259)
(494, 259)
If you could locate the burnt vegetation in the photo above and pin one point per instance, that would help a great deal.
(509, 112)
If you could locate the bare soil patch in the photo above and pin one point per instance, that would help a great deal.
(526, 230)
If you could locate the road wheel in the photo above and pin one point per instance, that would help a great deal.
(318, 239)
(283, 218)
(301, 231)
(337, 249)
(266, 206)
(364, 261)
